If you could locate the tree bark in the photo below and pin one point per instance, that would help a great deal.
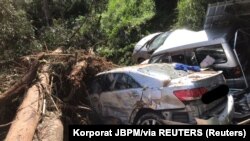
(50, 129)
(29, 113)
(53, 132)
(75, 77)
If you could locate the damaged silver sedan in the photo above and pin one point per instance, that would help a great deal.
(157, 93)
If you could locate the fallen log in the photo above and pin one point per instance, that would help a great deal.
(23, 83)
(53, 132)
(50, 129)
(29, 113)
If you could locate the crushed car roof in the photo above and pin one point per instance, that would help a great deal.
(151, 75)
(160, 71)
(134, 68)
(185, 39)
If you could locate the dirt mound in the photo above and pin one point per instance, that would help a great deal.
(57, 82)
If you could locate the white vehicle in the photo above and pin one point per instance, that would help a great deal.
(147, 45)
(224, 45)
(152, 93)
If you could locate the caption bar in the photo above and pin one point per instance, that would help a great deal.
(159, 131)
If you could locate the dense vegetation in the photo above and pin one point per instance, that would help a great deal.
(109, 27)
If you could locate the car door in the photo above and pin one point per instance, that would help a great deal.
(101, 85)
(119, 102)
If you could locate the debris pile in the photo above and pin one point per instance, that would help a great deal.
(41, 94)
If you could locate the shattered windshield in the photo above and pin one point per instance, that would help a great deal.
(158, 41)
(166, 70)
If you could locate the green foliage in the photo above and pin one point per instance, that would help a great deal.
(110, 27)
(56, 35)
(16, 32)
(126, 13)
(191, 13)
(122, 24)
(126, 54)
(89, 30)
(73, 23)
(164, 18)
(120, 55)
(43, 12)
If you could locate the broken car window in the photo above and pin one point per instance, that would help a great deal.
(103, 83)
(164, 58)
(184, 57)
(125, 81)
(214, 51)
(97, 85)
(158, 41)
(179, 58)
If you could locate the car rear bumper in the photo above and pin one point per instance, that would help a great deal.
(225, 117)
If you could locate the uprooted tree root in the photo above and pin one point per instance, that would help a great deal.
(47, 92)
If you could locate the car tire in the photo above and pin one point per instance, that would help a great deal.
(149, 119)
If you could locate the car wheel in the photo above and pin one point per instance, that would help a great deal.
(150, 119)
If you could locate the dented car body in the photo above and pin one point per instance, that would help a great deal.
(152, 93)
(226, 39)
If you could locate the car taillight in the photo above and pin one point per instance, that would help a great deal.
(190, 94)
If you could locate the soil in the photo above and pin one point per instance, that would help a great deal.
(68, 98)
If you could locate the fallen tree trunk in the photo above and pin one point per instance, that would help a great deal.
(54, 131)
(29, 122)
(29, 113)
(23, 83)
(50, 129)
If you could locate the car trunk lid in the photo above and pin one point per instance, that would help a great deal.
(203, 93)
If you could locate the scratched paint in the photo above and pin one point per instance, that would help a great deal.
(121, 93)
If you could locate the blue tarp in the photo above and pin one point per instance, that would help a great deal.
(184, 67)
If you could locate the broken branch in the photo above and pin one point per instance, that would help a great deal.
(23, 83)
